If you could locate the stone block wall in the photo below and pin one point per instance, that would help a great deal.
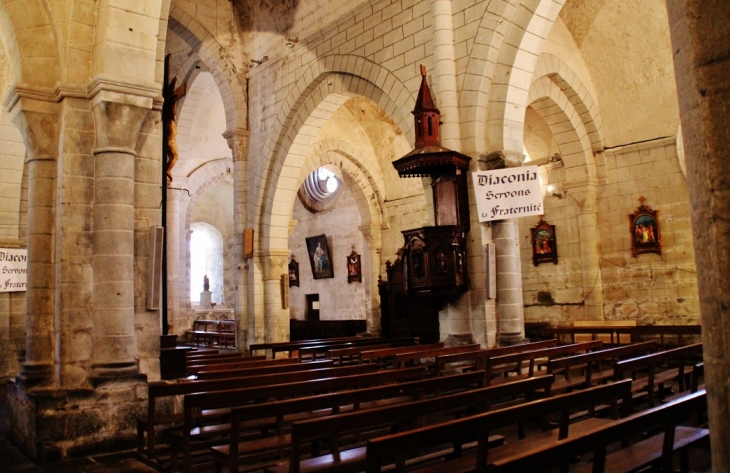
(650, 288)
(338, 300)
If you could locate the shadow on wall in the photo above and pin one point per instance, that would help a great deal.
(266, 15)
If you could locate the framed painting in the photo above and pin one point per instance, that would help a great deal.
(354, 269)
(293, 272)
(319, 257)
(644, 229)
(544, 243)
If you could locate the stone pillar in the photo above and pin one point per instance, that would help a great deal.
(39, 124)
(506, 236)
(118, 119)
(445, 73)
(276, 264)
(374, 236)
(177, 252)
(238, 142)
(701, 48)
(585, 198)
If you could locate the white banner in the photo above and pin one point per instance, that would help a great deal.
(508, 193)
(13, 269)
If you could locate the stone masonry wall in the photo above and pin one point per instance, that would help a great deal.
(651, 288)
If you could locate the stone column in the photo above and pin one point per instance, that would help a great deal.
(238, 142)
(39, 123)
(701, 46)
(506, 236)
(585, 198)
(118, 119)
(275, 264)
(374, 236)
(177, 252)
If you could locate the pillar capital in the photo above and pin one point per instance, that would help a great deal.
(238, 142)
(37, 114)
(119, 111)
(500, 159)
(274, 261)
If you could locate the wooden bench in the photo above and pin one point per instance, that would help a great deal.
(202, 331)
(381, 451)
(398, 417)
(227, 333)
(663, 332)
(515, 363)
(233, 363)
(289, 347)
(657, 371)
(657, 449)
(384, 357)
(261, 370)
(351, 355)
(158, 390)
(417, 356)
(312, 352)
(196, 404)
(592, 366)
(286, 411)
(476, 360)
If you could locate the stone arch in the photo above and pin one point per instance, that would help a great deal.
(29, 36)
(206, 176)
(332, 80)
(568, 128)
(213, 55)
(575, 91)
(357, 165)
(503, 74)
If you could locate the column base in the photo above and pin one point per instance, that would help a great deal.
(508, 339)
(115, 370)
(36, 375)
(459, 339)
(54, 424)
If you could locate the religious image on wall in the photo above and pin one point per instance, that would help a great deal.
(354, 270)
(544, 244)
(319, 257)
(644, 229)
(293, 272)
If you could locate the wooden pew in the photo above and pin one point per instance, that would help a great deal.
(351, 355)
(681, 332)
(658, 448)
(656, 372)
(476, 360)
(227, 333)
(161, 389)
(385, 356)
(313, 352)
(286, 411)
(261, 370)
(381, 450)
(293, 346)
(399, 416)
(202, 331)
(211, 358)
(233, 364)
(196, 404)
(592, 364)
(513, 362)
(417, 355)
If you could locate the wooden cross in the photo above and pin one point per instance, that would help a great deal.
(642, 199)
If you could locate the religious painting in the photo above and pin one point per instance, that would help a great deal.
(644, 229)
(293, 272)
(354, 270)
(544, 244)
(319, 257)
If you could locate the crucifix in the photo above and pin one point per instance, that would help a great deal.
(170, 96)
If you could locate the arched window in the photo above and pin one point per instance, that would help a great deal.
(206, 259)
